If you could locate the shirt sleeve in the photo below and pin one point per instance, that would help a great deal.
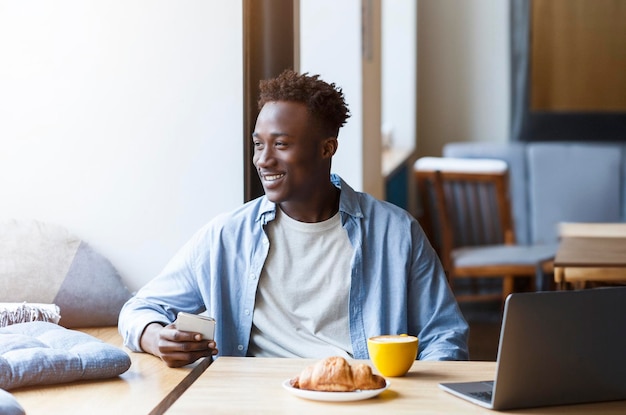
(173, 290)
(433, 310)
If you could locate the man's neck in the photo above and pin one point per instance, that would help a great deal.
(314, 212)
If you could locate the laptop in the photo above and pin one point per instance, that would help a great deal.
(556, 348)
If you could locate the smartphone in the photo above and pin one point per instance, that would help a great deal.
(197, 324)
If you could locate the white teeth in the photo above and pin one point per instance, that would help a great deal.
(271, 178)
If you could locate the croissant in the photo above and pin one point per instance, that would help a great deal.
(334, 374)
(364, 378)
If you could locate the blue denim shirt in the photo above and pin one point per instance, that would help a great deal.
(397, 282)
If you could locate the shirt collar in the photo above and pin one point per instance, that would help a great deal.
(349, 199)
(348, 202)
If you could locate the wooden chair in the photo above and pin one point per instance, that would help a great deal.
(584, 277)
(468, 219)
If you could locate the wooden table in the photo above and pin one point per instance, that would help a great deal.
(234, 385)
(148, 387)
(590, 259)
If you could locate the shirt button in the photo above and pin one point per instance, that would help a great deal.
(253, 276)
(265, 242)
(247, 312)
(240, 347)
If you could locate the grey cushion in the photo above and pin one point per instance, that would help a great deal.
(8, 404)
(39, 353)
(44, 263)
(503, 255)
(572, 183)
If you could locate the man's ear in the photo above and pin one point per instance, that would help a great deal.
(329, 147)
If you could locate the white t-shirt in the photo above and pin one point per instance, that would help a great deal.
(302, 300)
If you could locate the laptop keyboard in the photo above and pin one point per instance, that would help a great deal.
(482, 396)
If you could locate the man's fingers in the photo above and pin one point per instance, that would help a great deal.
(175, 335)
(178, 359)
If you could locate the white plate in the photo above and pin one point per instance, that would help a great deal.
(333, 396)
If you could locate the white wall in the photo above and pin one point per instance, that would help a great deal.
(399, 70)
(337, 44)
(330, 45)
(122, 121)
(463, 72)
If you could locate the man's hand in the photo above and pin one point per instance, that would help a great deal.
(176, 348)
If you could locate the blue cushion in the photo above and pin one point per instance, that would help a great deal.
(571, 182)
(8, 404)
(39, 353)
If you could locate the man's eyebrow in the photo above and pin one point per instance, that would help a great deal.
(273, 135)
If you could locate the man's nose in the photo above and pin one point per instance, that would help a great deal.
(262, 157)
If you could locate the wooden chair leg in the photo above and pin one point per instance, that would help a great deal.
(508, 283)
(559, 278)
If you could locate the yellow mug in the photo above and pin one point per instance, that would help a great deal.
(392, 354)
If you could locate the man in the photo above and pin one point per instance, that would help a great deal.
(310, 269)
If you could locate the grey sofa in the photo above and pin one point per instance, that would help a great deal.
(554, 182)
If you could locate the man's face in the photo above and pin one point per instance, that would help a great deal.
(290, 158)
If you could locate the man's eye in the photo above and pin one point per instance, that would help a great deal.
(280, 144)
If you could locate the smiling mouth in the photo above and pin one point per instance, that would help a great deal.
(272, 177)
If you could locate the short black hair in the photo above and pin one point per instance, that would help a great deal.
(325, 102)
